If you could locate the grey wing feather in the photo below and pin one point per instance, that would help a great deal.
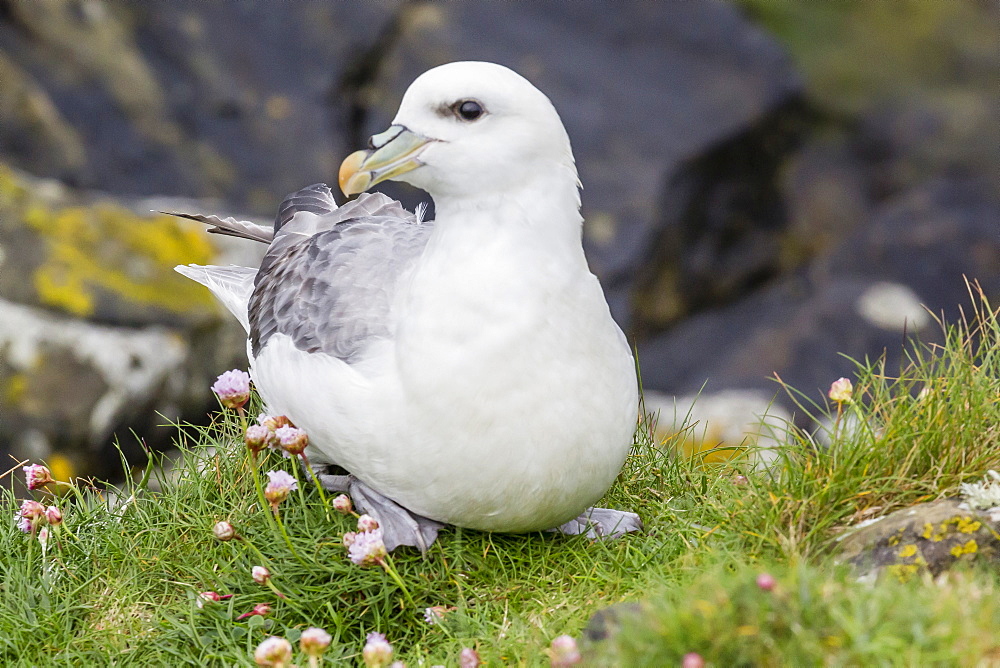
(332, 292)
(315, 199)
(231, 285)
(243, 229)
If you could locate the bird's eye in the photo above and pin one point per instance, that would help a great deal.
(469, 110)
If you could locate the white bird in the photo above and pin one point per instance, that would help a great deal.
(464, 371)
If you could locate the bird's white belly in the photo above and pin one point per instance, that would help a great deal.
(507, 415)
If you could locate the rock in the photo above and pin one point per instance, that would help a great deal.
(929, 537)
(860, 298)
(99, 336)
(693, 102)
(239, 101)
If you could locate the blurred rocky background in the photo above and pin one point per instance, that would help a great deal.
(767, 185)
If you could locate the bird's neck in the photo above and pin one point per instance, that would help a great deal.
(543, 214)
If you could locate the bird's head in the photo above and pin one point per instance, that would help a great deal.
(465, 129)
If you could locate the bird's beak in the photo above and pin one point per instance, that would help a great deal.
(394, 152)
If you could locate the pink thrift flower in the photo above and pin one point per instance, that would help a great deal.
(260, 574)
(261, 609)
(274, 651)
(31, 516)
(692, 660)
(233, 388)
(224, 531)
(377, 652)
(563, 652)
(469, 658)
(53, 516)
(349, 538)
(292, 440)
(273, 422)
(314, 641)
(211, 597)
(37, 475)
(258, 437)
(367, 523)
(367, 548)
(766, 582)
(841, 391)
(342, 504)
(435, 613)
(280, 485)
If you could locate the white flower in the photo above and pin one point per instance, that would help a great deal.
(273, 651)
(983, 495)
(377, 652)
(841, 391)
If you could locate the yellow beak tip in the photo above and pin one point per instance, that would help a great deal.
(352, 180)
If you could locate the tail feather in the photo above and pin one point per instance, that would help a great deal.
(243, 229)
(231, 285)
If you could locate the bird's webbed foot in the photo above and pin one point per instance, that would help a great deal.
(399, 526)
(601, 523)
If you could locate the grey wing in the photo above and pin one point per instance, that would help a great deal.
(332, 292)
(315, 199)
(232, 227)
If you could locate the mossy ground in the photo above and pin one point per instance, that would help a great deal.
(121, 589)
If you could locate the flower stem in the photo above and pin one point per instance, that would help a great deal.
(391, 570)
(288, 541)
(322, 494)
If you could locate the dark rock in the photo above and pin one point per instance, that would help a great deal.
(236, 100)
(862, 298)
(929, 537)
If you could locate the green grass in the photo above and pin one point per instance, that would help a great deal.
(119, 586)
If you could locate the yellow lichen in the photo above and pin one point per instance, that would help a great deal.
(903, 572)
(907, 551)
(970, 547)
(85, 247)
(15, 387)
(967, 524)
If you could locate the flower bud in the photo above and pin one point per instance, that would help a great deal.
(563, 652)
(31, 516)
(274, 422)
(292, 440)
(274, 651)
(280, 485)
(261, 609)
(43, 537)
(53, 515)
(692, 660)
(260, 574)
(224, 531)
(257, 438)
(233, 388)
(342, 504)
(314, 641)
(367, 523)
(841, 391)
(766, 582)
(37, 475)
(469, 658)
(366, 548)
(377, 652)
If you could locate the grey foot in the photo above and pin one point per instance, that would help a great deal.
(601, 523)
(399, 525)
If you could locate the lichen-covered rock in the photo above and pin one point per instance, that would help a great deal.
(99, 336)
(929, 537)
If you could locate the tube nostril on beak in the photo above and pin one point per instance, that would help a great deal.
(371, 143)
